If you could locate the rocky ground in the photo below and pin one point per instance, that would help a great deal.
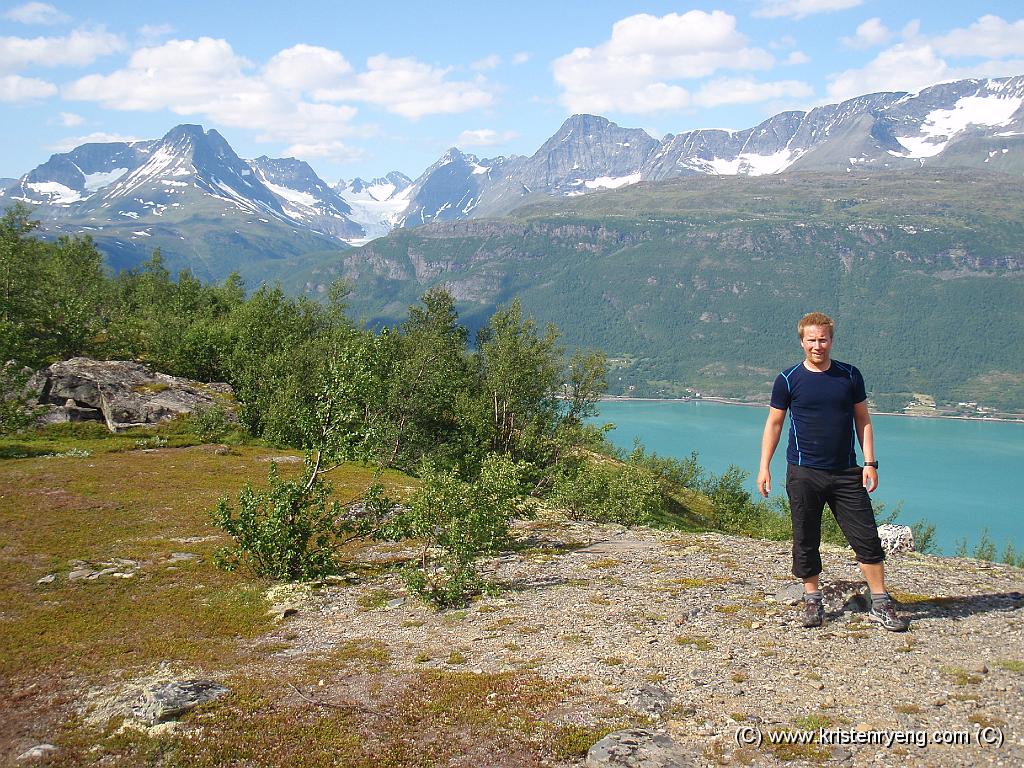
(701, 633)
(123, 645)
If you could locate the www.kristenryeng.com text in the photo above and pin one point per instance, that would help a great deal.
(982, 736)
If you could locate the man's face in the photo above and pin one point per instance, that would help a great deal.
(817, 344)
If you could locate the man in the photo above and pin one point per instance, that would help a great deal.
(826, 401)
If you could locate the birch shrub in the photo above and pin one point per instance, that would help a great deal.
(457, 523)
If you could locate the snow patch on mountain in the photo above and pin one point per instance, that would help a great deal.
(612, 182)
(52, 193)
(941, 125)
(291, 195)
(96, 181)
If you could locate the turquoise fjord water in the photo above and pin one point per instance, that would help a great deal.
(963, 476)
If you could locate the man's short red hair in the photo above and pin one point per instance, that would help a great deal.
(816, 318)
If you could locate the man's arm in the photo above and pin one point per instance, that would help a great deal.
(769, 441)
(866, 436)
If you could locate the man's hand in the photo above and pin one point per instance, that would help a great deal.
(764, 482)
(870, 480)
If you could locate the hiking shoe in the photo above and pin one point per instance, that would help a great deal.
(885, 614)
(814, 613)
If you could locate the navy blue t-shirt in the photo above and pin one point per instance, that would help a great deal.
(821, 428)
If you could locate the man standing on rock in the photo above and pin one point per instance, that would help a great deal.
(827, 402)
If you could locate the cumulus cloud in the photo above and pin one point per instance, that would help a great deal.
(306, 68)
(920, 61)
(521, 57)
(80, 47)
(798, 9)
(740, 91)
(409, 88)
(990, 36)
(638, 68)
(70, 119)
(869, 34)
(36, 13)
(207, 79)
(304, 95)
(797, 57)
(484, 137)
(15, 88)
(100, 137)
(487, 62)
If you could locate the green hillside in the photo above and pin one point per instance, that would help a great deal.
(699, 282)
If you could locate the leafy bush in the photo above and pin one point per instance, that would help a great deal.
(210, 424)
(459, 522)
(924, 537)
(628, 494)
(292, 530)
(15, 413)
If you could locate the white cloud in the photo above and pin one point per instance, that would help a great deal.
(81, 47)
(207, 79)
(797, 57)
(70, 119)
(36, 13)
(638, 68)
(740, 91)
(484, 137)
(487, 62)
(521, 57)
(920, 61)
(66, 145)
(409, 88)
(799, 9)
(869, 34)
(990, 36)
(291, 99)
(15, 88)
(306, 68)
(904, 67)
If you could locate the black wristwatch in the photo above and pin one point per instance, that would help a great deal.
(871, 464)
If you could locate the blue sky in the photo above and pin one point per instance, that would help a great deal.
(359, 89)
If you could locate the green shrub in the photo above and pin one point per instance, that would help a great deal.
(210, 424)
(292, 530)
(457, 523)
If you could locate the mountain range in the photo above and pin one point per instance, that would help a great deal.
(686, 259)
(191, 195)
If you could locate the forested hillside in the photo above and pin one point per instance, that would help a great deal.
(698, 283)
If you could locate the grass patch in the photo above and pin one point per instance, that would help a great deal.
(814, 722)
(1013, 665)
(987, 721)
(456, 658)
(699, 643)
(813, 753)
(68, 635)
(374, 599)
(913, 598)
(908, 709)
(960, 676)
(605, 562)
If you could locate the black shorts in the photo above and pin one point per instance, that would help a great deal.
(809, 490)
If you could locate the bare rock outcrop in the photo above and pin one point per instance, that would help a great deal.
(120, 393)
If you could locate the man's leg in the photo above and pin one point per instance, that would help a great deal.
(851, 506)
(806, 502)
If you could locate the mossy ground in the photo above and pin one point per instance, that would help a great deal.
(65, 640)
